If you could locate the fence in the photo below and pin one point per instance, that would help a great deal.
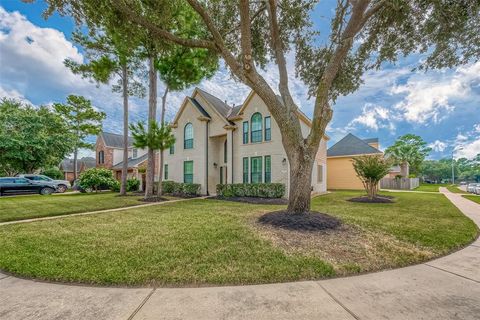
(399, 183)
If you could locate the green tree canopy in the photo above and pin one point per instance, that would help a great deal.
(83, 120)
(370, 170)
(410, 149)
(31, 138)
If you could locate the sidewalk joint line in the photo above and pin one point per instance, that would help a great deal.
(339, 302)
(456, 274)
(142, 304)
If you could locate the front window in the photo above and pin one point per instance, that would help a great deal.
(188, 171)
(135, 153)
(188, 136)
(268, 169)
(245, 132)
(319, 173)
(225, 151)
(166, 172)
(101, 157)
(172, 149)
(256, 170)
(268, 129)
(256, 128)
(245, 170)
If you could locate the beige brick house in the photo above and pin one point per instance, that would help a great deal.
(216, 143)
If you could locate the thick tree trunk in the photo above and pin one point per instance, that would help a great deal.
(152, 111)
(301, 166)
(75, 156)
(123, 184)
(404, 169)
(162, 122)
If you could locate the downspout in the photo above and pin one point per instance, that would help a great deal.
(206, 162)
(231, 159)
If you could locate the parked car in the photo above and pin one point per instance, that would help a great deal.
(471, 187)
(61, 185)
(16, 185)
(477, 189)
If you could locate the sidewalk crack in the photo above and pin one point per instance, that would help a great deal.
(456, 274)
(141, 304)
(339, 302)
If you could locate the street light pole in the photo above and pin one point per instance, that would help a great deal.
(453, 168)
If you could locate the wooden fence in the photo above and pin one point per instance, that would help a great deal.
(399, 184)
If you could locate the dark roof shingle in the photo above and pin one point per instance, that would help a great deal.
(351, 145)
(131, 162)
(115, 140)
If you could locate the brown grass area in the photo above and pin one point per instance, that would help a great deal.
(348, 248)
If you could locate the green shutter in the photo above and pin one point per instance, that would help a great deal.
(166, 172)
(245, 170)
(268, 129)
(188, 171)
(268, 169)
(245, 132)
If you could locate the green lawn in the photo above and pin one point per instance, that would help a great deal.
(473, 198)
(218, 242)
(455, 189)
(35, 206)
(430, 187)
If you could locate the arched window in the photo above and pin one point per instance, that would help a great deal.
(188, 136)
(256, 132)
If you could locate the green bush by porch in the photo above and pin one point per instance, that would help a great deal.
(257, 190)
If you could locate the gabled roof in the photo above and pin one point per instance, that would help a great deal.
(115, 140)
(67, 164)
(351, 145)
(222, 108)
(199, 107)
(132, 162)
(371, 140)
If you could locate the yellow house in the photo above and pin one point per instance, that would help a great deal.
(340, 173)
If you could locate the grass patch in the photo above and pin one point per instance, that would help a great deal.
(430, 187)
(455, 189)
(473, 198)
(36, 206)
(201, 242)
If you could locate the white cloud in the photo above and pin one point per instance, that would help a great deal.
(13, 94)
(468, 145)
(438, 146)
(429, 97)
(374, 117)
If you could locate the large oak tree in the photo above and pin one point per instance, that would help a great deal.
(363, 34)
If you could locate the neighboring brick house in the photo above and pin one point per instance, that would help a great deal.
(66, 166)
(109, 154)
(216, 143)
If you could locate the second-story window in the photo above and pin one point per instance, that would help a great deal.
(256, 135)
(268, 129)
(172, 149)
(188, 136)
(245, 132)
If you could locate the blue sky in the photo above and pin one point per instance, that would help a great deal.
(441, 106)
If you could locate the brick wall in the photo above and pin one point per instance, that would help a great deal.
(108, 154)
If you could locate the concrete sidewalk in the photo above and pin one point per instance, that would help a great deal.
(446, 288)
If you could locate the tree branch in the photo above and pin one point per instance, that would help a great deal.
(323, 113)
(246, 36)
(159, 32)
(252, 18)
(279, 55)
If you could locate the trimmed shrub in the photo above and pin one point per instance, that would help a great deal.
(256, 190)
(115, 187)
(97, 179)
(133, 184)
(179, 189)
(168, 186)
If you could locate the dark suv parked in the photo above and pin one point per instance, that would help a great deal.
(15, 185)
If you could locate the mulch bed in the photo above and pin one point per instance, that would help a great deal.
(312, 221)
(378, 199)
(154, 199)
(253, 200)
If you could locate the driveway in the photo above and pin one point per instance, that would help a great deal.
(446, 288)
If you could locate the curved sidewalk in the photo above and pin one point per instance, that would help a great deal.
(446, 288)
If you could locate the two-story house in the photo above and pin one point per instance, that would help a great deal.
(216, 143)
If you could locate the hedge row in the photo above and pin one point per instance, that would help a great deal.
(257, 190)
(180, 189)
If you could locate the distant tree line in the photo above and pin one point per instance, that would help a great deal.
(441, 170)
